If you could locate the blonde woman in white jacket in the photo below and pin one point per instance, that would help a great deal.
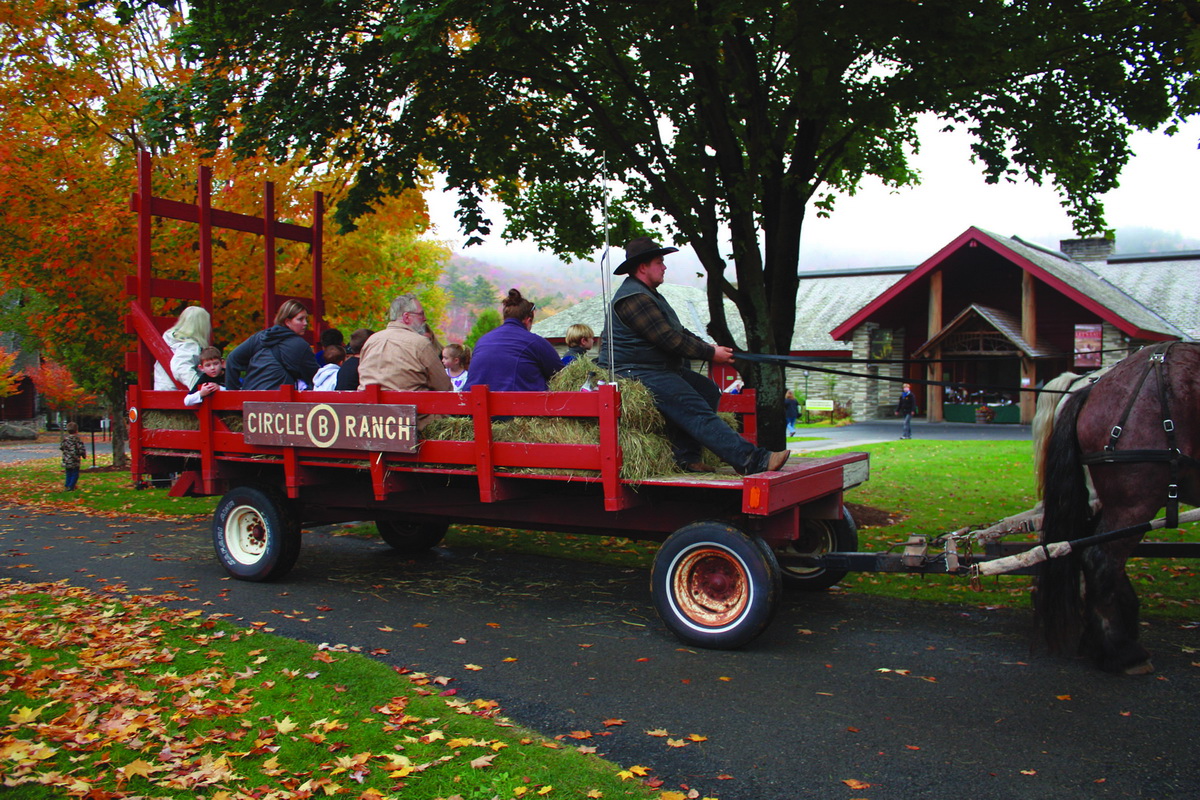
(190, 334)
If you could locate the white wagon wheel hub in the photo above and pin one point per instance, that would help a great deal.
(246, 534)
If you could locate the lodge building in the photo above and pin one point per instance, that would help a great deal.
(979, 320)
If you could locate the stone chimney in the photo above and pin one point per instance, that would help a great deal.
(1097, 248)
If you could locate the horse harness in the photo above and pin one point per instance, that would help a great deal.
(1156, 363)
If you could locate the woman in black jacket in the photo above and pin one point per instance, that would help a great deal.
(274, 357)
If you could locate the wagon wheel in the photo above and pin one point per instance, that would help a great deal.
(817, 537)
(255, 535)
(714, 586)
(411, 538)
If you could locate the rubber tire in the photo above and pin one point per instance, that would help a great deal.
(411, 538)
(255, 535)
(826, 536)
(741, 572)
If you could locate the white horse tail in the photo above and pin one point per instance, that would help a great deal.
(1050, 400)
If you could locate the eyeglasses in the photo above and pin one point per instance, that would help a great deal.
(420, 314)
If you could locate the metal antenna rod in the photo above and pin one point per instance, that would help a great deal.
(606, 273)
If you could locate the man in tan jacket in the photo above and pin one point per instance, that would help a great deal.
(400, 357)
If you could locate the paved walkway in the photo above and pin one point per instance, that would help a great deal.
(886, 430)
(26, 451)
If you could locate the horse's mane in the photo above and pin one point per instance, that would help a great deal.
(1049, 404)
(1049, 401)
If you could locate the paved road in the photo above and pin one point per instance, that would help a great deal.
(915, 700)
(11, 452)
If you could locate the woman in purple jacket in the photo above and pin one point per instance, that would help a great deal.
(511, 358)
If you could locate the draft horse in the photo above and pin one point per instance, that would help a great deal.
(1135, 433)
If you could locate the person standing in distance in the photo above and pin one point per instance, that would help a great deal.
(907, 406)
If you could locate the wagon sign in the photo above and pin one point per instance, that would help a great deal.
(345, 426)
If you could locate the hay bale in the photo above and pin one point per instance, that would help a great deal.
(645, 448)
(160, 420)
(157, 420)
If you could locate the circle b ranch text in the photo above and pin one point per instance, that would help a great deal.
(348, 426)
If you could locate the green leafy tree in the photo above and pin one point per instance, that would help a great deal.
(488, 319)
(458, 289)
(482, 293)
(724, 127)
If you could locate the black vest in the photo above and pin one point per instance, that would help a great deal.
(629, 349)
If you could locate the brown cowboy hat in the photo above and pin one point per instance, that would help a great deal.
(639, 251)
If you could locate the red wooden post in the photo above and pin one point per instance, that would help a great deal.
(145, 372)
(268, 228)
(208, 461)
(316, 254)
(611, 457)
(484, 468)
(206, 266)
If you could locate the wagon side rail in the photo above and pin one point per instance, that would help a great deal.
(491, 462)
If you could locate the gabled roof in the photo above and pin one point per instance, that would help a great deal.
(1007, 324)
(1056, 270)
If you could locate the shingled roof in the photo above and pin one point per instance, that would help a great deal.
(689, 302)
(1169, 283)
(824, 297)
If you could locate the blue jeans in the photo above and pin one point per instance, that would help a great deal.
(689, 401)
(72, 478)
(906, 430)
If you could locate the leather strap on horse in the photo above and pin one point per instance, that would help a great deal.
(1171, 456)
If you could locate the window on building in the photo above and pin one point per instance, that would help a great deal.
(881, 344)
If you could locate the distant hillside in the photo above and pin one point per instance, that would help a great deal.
(474, 285)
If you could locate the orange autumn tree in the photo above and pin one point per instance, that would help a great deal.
(71, 105)
(58, 388)
(384, 257)
(9, 381)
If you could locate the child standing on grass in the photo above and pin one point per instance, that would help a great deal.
(73, 451)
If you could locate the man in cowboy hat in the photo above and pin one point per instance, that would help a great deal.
(648, 343)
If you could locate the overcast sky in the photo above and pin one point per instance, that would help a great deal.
(880, 228)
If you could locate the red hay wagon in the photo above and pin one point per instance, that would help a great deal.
(285, 459)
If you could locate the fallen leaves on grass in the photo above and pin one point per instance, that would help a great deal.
(100, 702)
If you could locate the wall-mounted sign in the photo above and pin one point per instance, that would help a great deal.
(1088, 343)
(344, 426)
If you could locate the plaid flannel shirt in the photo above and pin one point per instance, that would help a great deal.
(640, 313)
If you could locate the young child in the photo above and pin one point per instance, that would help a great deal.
(327, 376)
(580, 339)
(456, 358)
(212, 376)
(347, 377)
(73, 451)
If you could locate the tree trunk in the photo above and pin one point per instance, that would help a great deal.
(120, 425)
(769, 381)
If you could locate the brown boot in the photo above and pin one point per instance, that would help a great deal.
(776, 460)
